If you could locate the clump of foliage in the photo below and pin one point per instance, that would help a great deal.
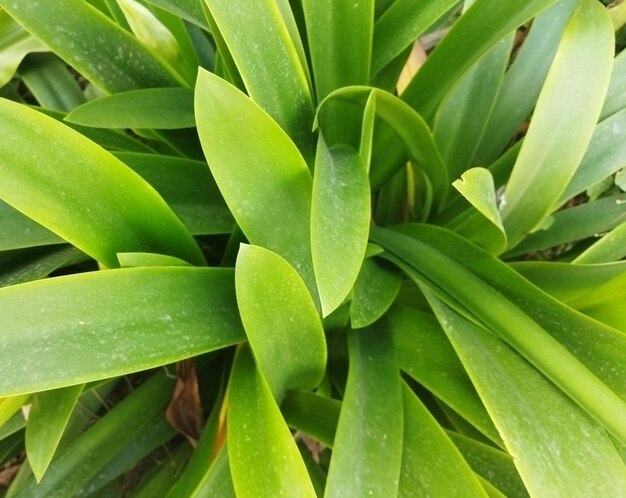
(312, 248)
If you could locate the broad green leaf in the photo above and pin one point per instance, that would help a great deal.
(611, 247)
(190, 10)
(137, 259)
(40, 155)
(114, 324)
(103, 52)
(15, 44)
(573, 224)
(261, 174)
(340, 220)
(10, 405)
(282, 324)
(463, 115)
(599, 347)
(606, 303)
(544, 431)
(159, 108)
(616, 95)
(431, 464)
(91, 451)
(50, 81)
(259, 41)
(375, 290)
(312, 414)
(485, 226)
(15, 424)
(253, 420)
(426, 355)
(48, 416)
(411, 129)
(401, 24)
(467, 41)
(367, 451)
(468, 292)
(492, 464)
(524, 79)
(568, 281)
(149, 30)
(563, 122)
(21, 266)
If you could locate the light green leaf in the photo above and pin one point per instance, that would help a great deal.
(312, 414)
(114, 324)
(367, 452)
(253, 420)
(401, 24)
(375, 290)
(10, 405)
(259, 171)
(103, 52)
(159, 108)
(611, 247)
(563, 122)
(520, 328)
(149, 30)
(137, 259)
(431, 464)
(485, 227)
(524, 79)
(260, 43)
(40, 155)
(544, 431)
(282, 324)
(15, 44)
(49, 414)
(83, 458)
(616, 95)
(340, 220)
(426, 355)
(190, 10)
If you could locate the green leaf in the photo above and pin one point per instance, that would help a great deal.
(41, 155)
(401, 24)
(367, 452)
(431, 464)
(544, 431)
(259, 41)
(467, 41)
(111, 323)
(563, 122)
(611, 247)
(517, 326)
(312, 414)
(103, 52)
(426, 355)
(282, 324)
(524, 79)
(616, 96)
(410, 127)
(477, 186)
(190, 10)
(269, 190)
(91, 451)
(573, 224)
(49, 414)
(10, 405)
(159, 108)
(15, 44)
(375, 290)
(340, 220)
(253, 420)
(50, 81)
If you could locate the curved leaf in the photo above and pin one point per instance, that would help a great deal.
(106, 54)
(611, 247)
(367, 451)
(98, 325)
(280, 319)
(340, 219)
(253, 420)
(159, 108)
(563, 122)
(259, 171)
(40, 156)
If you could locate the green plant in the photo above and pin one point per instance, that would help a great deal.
(364, 294)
